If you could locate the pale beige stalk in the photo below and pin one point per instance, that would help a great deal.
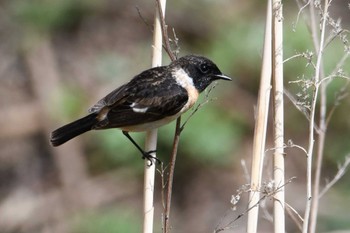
(151, 136)
(260, 127)
(278, 124)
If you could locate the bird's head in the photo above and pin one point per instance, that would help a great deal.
(201, 70)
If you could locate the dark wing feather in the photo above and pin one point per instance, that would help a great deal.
(134, 85)
(157, 108)
(150, 90)
(112, 98)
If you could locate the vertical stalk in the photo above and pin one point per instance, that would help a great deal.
(260, 127)
(151, 136)
(278, 158)
(319, 158)
(312, 121)
(166, 221)
(321, 133)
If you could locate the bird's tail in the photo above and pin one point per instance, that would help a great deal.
(71, 130)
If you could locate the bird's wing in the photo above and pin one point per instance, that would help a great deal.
(135, 85)
(148, 97)
(137, 109)
(113, 97)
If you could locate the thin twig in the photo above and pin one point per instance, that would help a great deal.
(289, 144)
(200, 105)
(166, 227)
(301, 8)
(303, 109)
(295, 216)
(143, 19)
(341, 172)
(342, 93)
(166, 40)
(267, 191)
(167, 206)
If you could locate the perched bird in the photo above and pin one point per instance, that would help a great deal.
(151, 99)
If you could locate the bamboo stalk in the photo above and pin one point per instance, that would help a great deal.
(260, 127)
(278, 158)
(151, 136)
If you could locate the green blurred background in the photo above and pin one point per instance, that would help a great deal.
(58, 57)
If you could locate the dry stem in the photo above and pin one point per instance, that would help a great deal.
(319, 48)
(260, 126)
(278, 159)
(151, 136)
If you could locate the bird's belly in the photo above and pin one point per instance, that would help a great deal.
(149, 125)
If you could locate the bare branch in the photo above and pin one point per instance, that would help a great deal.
(341, 172)
(301, 9)
(295, 216)
(340, 95)
(143, 19)
(166, 39)
(200, 105)
(267, 190)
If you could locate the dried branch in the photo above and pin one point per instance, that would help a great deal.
(341, 172)
(267, 190)
(295, 216)
(166, 40)
(200, 105)
(173, 57)
(319, 48)
(340, 95)
(166, 217)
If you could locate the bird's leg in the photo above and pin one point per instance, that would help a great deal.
(145, 154)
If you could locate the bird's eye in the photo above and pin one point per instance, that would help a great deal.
(204, 68)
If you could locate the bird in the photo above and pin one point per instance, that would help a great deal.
(151, 99)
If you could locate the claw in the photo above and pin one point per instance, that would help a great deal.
(145, 155)
(151, 158)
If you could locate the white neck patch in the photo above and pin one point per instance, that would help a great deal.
(182, 78)
(186, 82)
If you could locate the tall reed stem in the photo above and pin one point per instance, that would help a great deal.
(151, 136)
(260, 126)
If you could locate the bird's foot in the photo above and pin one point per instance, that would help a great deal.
(148, 155)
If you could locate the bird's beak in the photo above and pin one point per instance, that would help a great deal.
(222, 76)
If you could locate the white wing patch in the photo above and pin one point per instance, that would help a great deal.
(139, 110)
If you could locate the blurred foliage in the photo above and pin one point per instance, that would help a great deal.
(211, 135)
(227, 49)
(109, 221)
(68, 102)
(332, 218)
(50, 15)
(110, 149)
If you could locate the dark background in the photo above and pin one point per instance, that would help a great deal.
(59, 57)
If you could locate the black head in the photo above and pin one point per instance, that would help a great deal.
(202, 70)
